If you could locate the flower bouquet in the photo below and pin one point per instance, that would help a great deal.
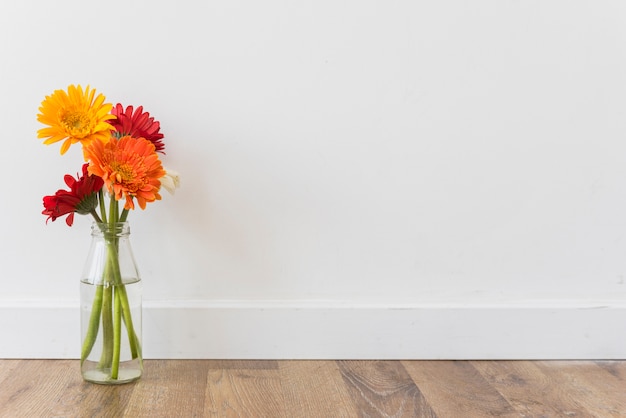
(121, 163)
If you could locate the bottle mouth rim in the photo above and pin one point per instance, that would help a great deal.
(98, 228)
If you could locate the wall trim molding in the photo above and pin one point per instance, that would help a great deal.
(545, 329)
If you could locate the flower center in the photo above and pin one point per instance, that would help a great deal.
(123, 172)
(78, 124)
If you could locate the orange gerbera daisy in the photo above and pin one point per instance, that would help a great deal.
(130, 168)
(74, 116)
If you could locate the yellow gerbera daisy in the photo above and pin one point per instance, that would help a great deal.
(74, 116)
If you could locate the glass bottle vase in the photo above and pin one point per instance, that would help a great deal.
(110, 299)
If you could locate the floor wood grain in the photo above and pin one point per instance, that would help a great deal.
(457, 389)
(315, 388)
(529, 390)
(242, 388)
(384, 389)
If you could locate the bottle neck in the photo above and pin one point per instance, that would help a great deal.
(118, 229)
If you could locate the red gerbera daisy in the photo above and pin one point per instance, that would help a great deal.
(137, 124)
(81, 198)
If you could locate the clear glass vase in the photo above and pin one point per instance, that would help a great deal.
(110, 299)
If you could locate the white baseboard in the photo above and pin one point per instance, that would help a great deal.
(335, 330)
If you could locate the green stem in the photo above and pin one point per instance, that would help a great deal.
(94, 323)
(103, 212)
(124, 215)
(112, 214)
(113, 252)
(117, 335)
(95, 216)
(128, 321)
(98, 301)
(111, 277)
(107, 328)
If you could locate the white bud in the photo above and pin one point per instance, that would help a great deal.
(170, 181)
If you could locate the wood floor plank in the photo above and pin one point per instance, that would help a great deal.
(315, 389)
(457, 389)
(531, 391)
(383, 389)
(83, 399)
(7, 368)
(166, 386)
(244, 393)
(593, 387)
(616, 368)
(39, 388)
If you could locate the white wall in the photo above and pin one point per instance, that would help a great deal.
(395, 154)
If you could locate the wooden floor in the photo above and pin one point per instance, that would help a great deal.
(218, 388)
